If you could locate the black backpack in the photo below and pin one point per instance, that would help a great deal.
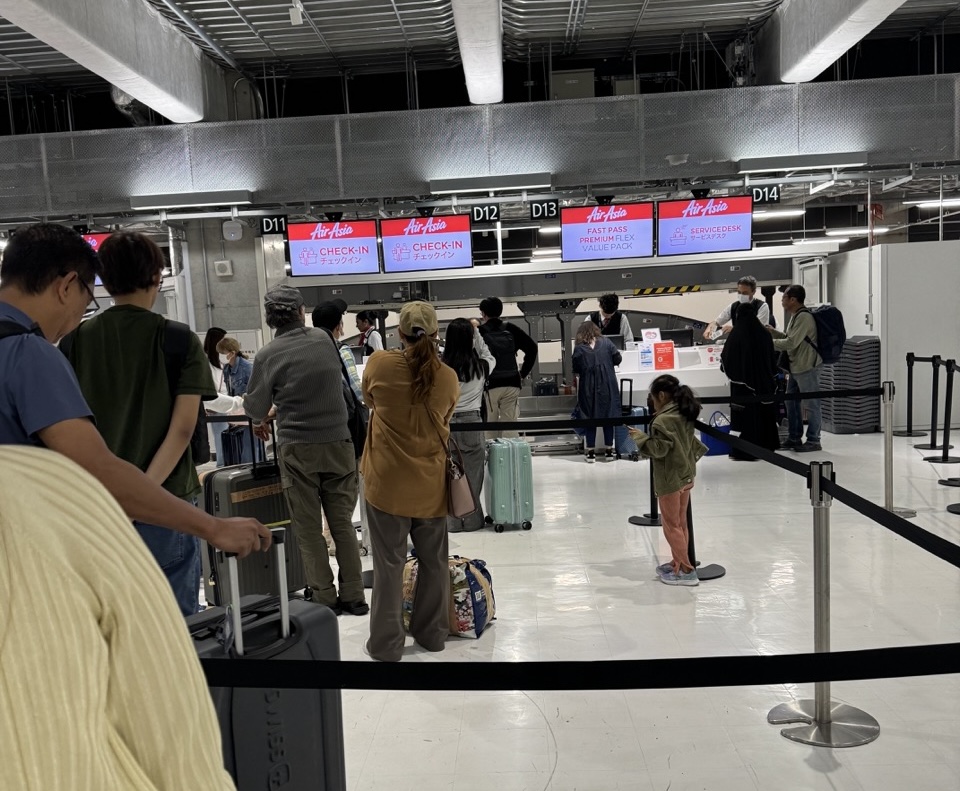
(176, 346)
(831, 334)
(10, 328)
(504, 349)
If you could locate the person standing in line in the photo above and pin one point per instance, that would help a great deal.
(799, 343)
(236, 376)
(598, 396)
(466, 353)
(223, 404)
(748, 361)
(299, 371)
(610, 320)
(746, 293)
(411, 395)
(503, 385)
(674, 451)
(370, 338)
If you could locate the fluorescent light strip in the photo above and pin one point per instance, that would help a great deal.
(858, 231)
(550, 229)
(815, 188)
(546, 251)
(927, 203)
(821, 240)
(768, 214)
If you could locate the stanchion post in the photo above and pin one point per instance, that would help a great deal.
(945, 457)
(911, 359)
(651, 519)
(711, 571)
(827, 724)
(934, 406)
(888, 395)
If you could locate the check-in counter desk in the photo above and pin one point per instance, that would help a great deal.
(705, 378)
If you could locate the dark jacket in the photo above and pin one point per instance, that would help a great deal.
(506, 374)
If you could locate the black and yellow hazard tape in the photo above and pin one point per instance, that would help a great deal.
(654, 292)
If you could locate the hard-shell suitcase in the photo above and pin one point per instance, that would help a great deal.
(290, 739)
(239, 446)
(249, 490)
(509, 484)
(626, 447)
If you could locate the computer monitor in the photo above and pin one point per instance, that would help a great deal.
(357, 354)
(616, 340)
(680, 338)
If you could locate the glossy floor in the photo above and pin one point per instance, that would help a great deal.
(581, 586)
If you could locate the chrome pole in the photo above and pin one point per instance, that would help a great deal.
(906, 513)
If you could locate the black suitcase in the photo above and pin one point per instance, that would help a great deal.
(249, 490)
(308, 723)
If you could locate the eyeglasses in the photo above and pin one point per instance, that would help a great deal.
(91, 309)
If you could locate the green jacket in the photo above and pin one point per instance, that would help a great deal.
(673, 449)
(803, 356)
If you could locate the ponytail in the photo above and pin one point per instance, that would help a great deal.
(686, 400)
(424, 362)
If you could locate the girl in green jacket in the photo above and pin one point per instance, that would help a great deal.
(674, 452)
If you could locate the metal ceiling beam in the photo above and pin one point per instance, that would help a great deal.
(243, 17)
(333, 55)
(636, 27)
(403, 30)
(202, 34)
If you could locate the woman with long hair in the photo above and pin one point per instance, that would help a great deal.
(466, 353)
(236, 376)
(411, 396)
(598, 395)
(236, 367)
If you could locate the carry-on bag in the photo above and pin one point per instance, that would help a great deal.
(717, 447)
(626, 448)
(252, 490)
(240, 446)
(290, 739)
(509, 484)
(472, 605)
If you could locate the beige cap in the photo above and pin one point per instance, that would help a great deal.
(416, 316)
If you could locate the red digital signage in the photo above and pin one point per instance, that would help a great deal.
(333, 248)
(711, 225)
(95, 240)
(415, 244)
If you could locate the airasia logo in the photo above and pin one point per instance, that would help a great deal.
(335, 231)
(696, 209)
(430, 225)
(600, 214)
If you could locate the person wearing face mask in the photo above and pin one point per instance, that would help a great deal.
(235, 365)
(746, 291)
(236, 376)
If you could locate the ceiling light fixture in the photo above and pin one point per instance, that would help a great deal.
(772, 214)
(802, 162)
(183, 200)
(933, 203)
(815, 188)
(858, 231)
(540, 251)
(821, 240)
(516, 182)
(549, 229)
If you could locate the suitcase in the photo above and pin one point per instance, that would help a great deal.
(239, 445)
(626, 447)
(509, 484)
(275, 738)
(249, 490)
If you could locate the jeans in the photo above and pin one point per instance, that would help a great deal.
(590, 436)
(178, 555)
(473, 449)
(807, 382)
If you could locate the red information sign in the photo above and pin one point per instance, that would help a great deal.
(663, 356)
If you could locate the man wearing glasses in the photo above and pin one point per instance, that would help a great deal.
(47, 274)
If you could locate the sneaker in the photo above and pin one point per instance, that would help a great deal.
(808, 447)
(688, 579)
(591, 457)
(610, 454)
(787, 444)
(354, 607)
(664, 568)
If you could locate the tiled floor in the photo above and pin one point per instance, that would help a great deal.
(581, 585)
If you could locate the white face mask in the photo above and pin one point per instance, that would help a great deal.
(224, 359)
(744, 298)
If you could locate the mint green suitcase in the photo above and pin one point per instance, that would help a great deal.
(509, 484)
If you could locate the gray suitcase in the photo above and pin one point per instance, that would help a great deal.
(275, 628)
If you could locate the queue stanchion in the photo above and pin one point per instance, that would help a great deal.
(712, 571)
(827, 724)
(945, 457)
(911, 359)
(888, 433)
(651, 519)
(937, 361)
(950, 481)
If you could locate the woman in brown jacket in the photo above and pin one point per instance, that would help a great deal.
(411, 396)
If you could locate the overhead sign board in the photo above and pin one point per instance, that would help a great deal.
(596, 233)
(333, 248)
(711, 225)
(415, 244)
(276, 224)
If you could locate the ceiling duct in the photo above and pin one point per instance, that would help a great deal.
(136, 111)
(480, 35)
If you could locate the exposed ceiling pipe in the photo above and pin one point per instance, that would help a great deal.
(202, 34)
(480, 36)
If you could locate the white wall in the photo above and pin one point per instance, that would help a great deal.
(848, 288)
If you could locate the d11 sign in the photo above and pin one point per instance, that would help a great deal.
(596, 233)
(333, 248)
(415, 244)
(713, 225)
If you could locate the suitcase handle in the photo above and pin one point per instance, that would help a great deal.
(622, 383)
(233, 604)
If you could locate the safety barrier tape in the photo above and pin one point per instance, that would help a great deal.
(660, 290)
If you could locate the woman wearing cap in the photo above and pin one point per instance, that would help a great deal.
(411, 395)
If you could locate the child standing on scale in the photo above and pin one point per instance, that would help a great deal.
(674, 452)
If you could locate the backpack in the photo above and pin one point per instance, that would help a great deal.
(10, 328)
(831, 334)
(176, 345)
(504, 349)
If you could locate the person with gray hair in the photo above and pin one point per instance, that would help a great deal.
(299, 372)
(746, 289)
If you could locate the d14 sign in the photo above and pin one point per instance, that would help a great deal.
(712, 225)
(595, 233)
(333, 248)
(421, 243)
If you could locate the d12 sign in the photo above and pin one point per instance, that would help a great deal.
(415, 244)
(333, 248)
(595, 233)
(712, 225)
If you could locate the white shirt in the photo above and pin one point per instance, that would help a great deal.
(471, 393)
(625, 329)
(763, 314)
(374, 340)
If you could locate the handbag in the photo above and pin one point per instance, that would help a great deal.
(461, 501)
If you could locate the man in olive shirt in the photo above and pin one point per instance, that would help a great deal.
(119, 359)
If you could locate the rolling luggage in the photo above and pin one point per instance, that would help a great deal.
(249, 490)
(509, 484)
(626, 447)
(239, 446)
(275, 738)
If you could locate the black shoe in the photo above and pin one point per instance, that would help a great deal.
(789, 444)
(354, 607)
(335, 607)
(808, 447)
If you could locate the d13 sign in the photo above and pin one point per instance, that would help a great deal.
(713, 225)
(333, 248)
(595, 233)
(415, 244)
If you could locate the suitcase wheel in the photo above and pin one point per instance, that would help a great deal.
(364, 552)
(526, 525)
(498, 528)
(488, 519)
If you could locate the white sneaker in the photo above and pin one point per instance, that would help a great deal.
(591, 457)
(688, 579)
